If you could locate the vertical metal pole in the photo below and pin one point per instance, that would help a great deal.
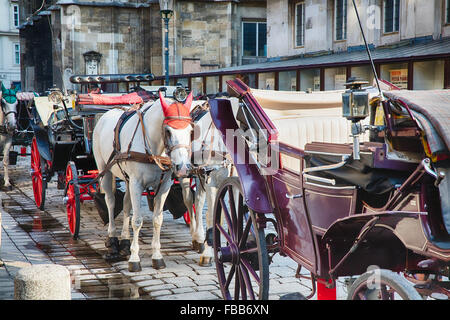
(166, 49)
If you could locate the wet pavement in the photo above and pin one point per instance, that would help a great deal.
(31, 236)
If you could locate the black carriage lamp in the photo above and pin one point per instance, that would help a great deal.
(166, 9)
(355, 107)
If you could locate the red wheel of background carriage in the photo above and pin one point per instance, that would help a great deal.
(39, 183)
(72, 199)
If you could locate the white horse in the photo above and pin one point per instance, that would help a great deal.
(8, 125)
(210, 156)
(165, 131)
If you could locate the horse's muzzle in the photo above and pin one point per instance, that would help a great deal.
(182, 170)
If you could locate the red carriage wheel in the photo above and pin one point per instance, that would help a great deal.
(240, 252)
(72, 199)
(39, 183)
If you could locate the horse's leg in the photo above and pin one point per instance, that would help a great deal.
(188, 200)
(199, 201)
(112, 242)
(216, 178)
(157, 258)
(135, 193)
(124, 244)
(6, 150)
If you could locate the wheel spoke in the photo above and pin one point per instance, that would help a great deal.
(233, 215)
(249, 268)
(230, 276)
(227, 217)
(248, 282)
(224, 233)
(245, 233)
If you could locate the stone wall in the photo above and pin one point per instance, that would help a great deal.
(206, 35)
(124, 38)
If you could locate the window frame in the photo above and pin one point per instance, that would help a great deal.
(257, 22)
(15, 15)
(393, 31)
(344, 21)
(294, 8)
(16, 56)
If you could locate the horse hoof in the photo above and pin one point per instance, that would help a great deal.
(205, 261)
(112, 242)
(158, 264)
(198, 246)
(201, 247)
(124, 247)
(112, 257)
(134, 266)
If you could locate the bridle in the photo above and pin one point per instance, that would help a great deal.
(171, 148)
(6, 113)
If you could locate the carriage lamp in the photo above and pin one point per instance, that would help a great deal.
(355, 107)
(55, 95)
(180, 94)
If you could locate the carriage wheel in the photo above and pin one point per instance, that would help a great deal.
(240, 251)
(382, 284)
(72, 199)
(39, 183)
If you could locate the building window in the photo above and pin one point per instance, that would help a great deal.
(16, 15)
(16, 53)
(391, 15)
(299, 24)
(254, 39)
(447, 12)
(340, 19)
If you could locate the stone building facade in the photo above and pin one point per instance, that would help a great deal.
(317, 45)
(9, 43)
(68, 37)
(89, 37)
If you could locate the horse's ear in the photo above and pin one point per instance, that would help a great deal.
(164, 104)
(188, 102)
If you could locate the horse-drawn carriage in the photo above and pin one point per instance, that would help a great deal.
(62, 145)
(309, 189)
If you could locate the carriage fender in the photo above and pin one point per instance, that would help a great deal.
(252, 182)
(42, 141)
(408, 227)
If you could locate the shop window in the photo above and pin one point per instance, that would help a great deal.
(335, 78)
(428, 75)
(287, 80)
(364, 73)
(212, 85)
(266, 81)
(197, 86)
(225, 79)
(310, 80)
(396, 73)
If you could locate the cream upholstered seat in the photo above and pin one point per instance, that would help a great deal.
(301, 118)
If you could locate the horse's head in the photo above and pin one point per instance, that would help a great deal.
(9, 115)
(177, 129)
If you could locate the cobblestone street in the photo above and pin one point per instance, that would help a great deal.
(31, 236)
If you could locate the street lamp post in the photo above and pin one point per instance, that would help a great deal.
(166, 9)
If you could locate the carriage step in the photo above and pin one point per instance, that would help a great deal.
(293, 296)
